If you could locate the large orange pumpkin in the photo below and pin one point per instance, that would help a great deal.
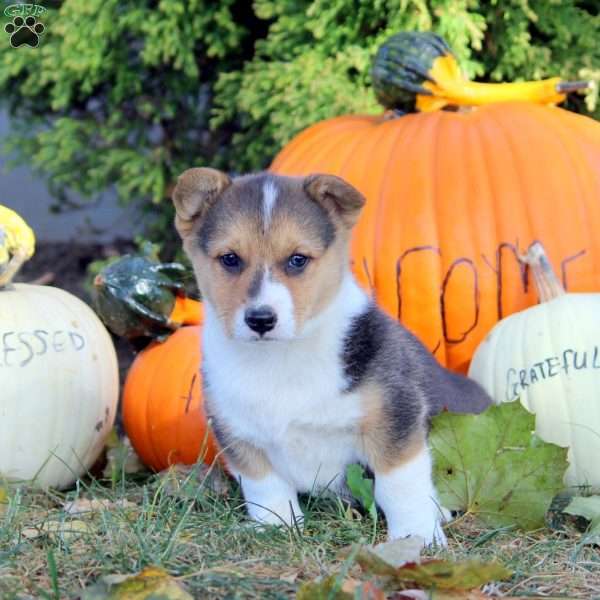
(452, 198)
(163, 409)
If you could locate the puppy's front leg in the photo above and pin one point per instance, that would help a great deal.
(270, 499)
(405, 493)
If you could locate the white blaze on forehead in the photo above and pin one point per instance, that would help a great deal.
(269, 199)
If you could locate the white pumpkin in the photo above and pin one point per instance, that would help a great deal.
(549, 357)
(59, 385)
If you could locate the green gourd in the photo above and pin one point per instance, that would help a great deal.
(402, 65)
(135, 296)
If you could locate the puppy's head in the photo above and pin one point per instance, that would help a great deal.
(269, 251)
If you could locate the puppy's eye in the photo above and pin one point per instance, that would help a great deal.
(297, 263)
(231, 261)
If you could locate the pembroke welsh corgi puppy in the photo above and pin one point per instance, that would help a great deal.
(303, 373)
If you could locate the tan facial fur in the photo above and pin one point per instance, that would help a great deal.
(264, 220)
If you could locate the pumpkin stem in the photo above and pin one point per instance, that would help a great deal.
(10, 269)
(547, 283)
(564, 87)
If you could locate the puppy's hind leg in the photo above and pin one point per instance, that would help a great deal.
(404, 491)
(394, 443)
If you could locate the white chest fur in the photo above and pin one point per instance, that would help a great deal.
(287, 397)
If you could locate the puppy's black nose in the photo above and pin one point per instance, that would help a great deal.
(261, 319)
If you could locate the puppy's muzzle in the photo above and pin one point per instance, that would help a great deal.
(261, 319)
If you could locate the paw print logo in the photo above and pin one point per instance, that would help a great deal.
(24, 31)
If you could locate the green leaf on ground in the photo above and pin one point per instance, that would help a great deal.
(360, 486)
(588, 508)
(492, 465)
(152, 583)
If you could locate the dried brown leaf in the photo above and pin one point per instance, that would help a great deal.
(152, 583)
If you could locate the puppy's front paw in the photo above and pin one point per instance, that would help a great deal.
(272, 518)
(272, 501)
(430, 531)
(262, 527)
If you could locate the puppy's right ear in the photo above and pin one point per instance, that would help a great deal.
(195, 192)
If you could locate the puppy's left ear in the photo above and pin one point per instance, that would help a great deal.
(196, 191)
(336, 196)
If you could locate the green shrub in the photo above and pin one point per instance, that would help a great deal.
(315, 61)
(128, 93)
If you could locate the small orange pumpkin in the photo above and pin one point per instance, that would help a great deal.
(453, 196)
(163, 410)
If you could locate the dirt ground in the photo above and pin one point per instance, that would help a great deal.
(64, 265)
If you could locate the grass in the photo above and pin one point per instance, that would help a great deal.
(177, 521)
